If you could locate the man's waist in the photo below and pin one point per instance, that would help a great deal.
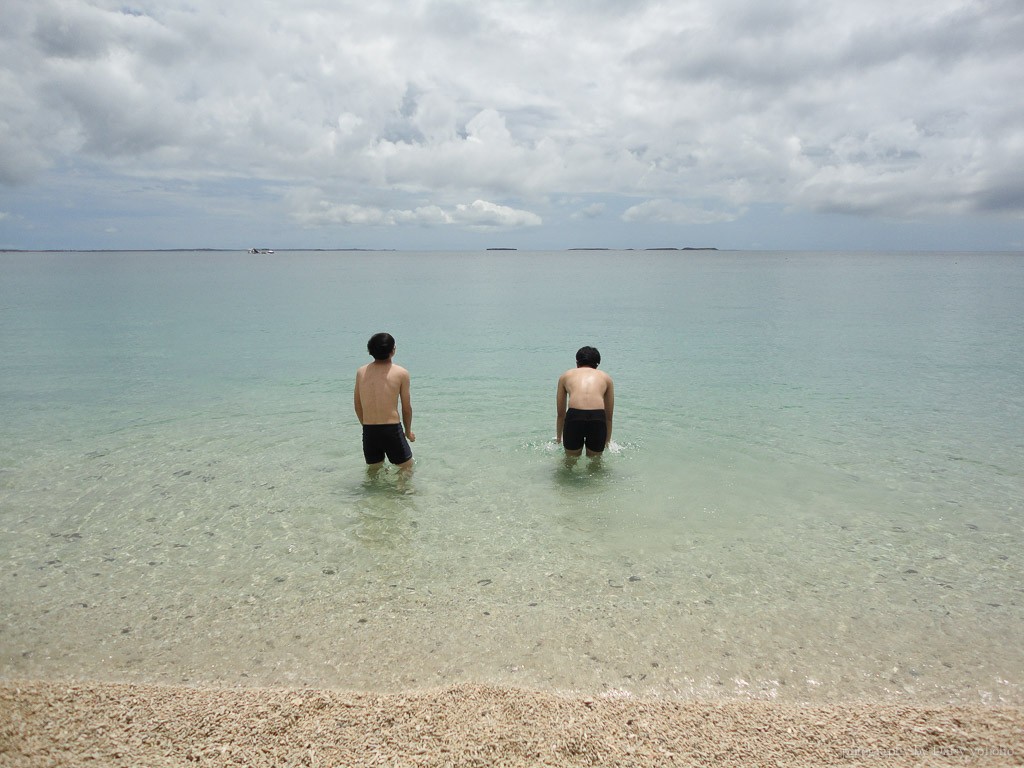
(585, 413)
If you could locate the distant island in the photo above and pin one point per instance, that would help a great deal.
(667, 248)
(318, 250)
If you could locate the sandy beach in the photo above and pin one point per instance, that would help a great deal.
(104, 724)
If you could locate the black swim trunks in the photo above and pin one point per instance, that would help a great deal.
(588, 428)
(385, 439)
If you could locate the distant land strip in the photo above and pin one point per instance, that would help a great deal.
(311, 250)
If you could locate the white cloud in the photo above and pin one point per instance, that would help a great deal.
(478, 215)
(674, 212)
(592, 211)
(694, 111)
(325, 213)
(487, 216)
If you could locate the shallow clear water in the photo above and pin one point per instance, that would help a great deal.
(814, 492)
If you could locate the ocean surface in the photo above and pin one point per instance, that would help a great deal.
(815, 490)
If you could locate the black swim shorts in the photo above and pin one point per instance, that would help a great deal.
(385, 439)
(588, 428)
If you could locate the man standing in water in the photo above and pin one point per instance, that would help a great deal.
(590, 397)
(380, 386)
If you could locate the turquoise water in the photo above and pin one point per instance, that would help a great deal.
(814, 490)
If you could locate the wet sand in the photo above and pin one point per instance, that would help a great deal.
(104, 724)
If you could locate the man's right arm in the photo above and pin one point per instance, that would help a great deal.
(404, 394)
(609, 406)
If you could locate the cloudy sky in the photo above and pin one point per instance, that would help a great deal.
(443, 124)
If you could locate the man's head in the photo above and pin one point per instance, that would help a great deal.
(381, 345)
(589, 357)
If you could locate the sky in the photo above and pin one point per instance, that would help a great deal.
(451, 125)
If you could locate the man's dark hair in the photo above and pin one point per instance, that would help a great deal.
(588, 356)
(381, 345)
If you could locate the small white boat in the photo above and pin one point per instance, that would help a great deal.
(261, 250)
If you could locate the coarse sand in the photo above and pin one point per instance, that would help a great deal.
(106, 724)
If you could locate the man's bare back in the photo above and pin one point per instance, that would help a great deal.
(585, 388)
(380, 386)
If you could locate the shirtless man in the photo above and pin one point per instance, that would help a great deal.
(380, 386)
(590, 397)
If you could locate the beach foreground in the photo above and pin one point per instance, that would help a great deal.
(104, 724)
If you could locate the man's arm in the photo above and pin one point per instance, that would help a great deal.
(406, 398)
(609, 406)
(561, 399)
(357, 401)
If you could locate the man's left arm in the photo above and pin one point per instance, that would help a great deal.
(561, 400)
(357, 401)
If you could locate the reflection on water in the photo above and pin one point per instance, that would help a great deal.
(573, 471)
(385, 511)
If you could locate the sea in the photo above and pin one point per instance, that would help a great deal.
(814, 490)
